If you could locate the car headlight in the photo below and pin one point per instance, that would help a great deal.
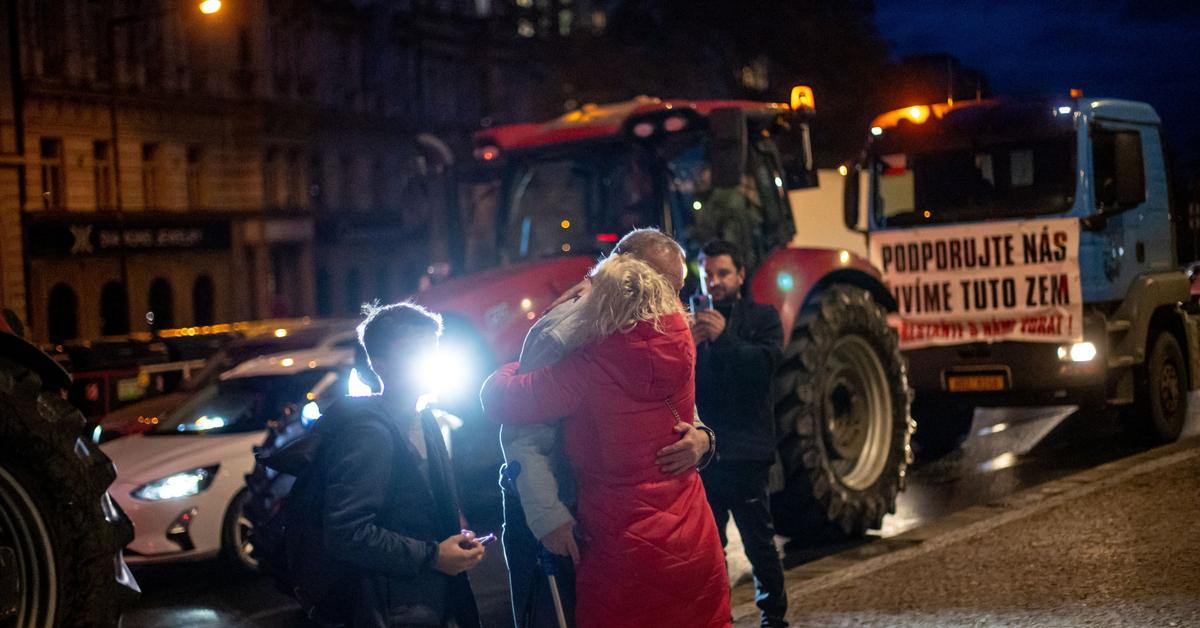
(182, 484)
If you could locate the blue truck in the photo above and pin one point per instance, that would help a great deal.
(1030, 248)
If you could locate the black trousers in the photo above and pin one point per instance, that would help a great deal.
(532, 603)
(740, 487)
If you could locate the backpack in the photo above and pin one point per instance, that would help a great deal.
(291, 547)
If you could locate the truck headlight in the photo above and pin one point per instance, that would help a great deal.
(1077, 352)
(182, 484)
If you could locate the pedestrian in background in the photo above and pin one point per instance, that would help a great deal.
(650, 555)
(739, 343)
(390, 509)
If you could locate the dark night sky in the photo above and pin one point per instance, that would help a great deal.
(1142, 50)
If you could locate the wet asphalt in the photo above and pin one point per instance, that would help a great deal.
(1009, 450)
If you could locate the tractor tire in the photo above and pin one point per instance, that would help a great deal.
(61, 535)
(842, 404)
(942, 425)
(1159, 409)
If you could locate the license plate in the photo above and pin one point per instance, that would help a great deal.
(975, 383)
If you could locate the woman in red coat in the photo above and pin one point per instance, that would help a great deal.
(651, 555)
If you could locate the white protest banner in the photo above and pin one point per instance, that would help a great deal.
(984, 282)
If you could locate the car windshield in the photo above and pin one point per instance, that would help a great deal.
(243, 404)
(578, 203)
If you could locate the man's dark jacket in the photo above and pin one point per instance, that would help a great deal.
(733, 380)
(385, 519)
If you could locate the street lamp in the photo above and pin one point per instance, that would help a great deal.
(207, 7)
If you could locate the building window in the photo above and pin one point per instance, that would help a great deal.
(160, 311)
(203, 301)
(150, 181)
(195, 177)
(54, 187)
(102, 174)
(114, 310)
(51, 21)
(63, 314)
(353, 296)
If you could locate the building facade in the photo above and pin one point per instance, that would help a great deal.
(163, 168)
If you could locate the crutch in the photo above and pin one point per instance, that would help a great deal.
(546, 560)
(510, 471)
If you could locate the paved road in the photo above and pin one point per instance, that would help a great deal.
(1114, 548)
(1009, 451)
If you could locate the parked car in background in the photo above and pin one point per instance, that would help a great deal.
(182, 481)
(311, 334)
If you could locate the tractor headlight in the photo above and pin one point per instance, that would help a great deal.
(182, 484)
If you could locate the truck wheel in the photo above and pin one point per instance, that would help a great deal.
(942, 426)
(843, 400)
(61, 535)
(1159, 409)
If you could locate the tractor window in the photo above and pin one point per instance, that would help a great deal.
(579, 204)
(754, 215)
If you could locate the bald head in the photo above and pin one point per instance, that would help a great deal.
(658, 250)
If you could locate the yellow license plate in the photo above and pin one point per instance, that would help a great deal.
(974, 383)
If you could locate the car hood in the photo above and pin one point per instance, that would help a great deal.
(141, 458)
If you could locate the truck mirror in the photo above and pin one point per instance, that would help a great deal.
(727, 126)
(850, 199)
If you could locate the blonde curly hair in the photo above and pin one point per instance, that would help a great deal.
(627, 291)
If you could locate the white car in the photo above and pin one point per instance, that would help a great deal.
(183, 482)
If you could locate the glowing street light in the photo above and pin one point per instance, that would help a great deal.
(208, 7)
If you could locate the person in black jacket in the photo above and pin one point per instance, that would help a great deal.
(739, 343)
(391, 512)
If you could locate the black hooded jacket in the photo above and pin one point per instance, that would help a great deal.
(384, 518)
(734, 380)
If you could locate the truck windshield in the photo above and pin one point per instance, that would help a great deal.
(579, 203)
(978, 181)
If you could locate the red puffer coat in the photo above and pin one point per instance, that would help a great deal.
(651, 555)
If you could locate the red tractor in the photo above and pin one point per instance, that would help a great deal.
(567, 189)
(60, 533)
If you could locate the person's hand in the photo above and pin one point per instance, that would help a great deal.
(453, 558)
(710, 323)
(561, 541)
(685, 453)
(578, 290)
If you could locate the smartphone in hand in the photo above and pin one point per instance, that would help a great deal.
(700, 302)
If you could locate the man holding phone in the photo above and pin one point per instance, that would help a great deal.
(739, 343)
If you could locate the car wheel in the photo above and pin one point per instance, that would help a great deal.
(237, 545)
